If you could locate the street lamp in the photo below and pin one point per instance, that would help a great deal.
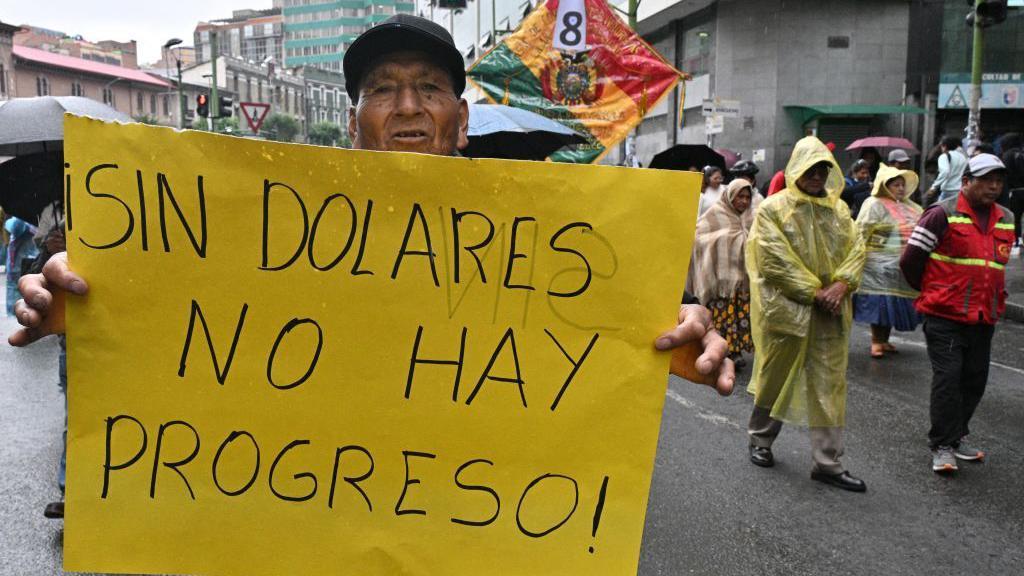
(181, 95)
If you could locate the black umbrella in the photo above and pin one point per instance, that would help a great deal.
(30, 183)
(497, 131)
(30, 125)
(687, 157)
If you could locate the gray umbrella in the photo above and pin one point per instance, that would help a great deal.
(497, 131)
(30, 125)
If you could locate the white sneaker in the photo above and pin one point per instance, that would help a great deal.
(969, 453)
(943, 460)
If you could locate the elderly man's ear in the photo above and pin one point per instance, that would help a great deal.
(463, 124)
(352, 125)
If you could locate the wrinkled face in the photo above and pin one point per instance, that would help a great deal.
(715, 180)
(813, 180)
(984, 190)
(741, 201)
(407, 104)
(862, 175)
(897, 187)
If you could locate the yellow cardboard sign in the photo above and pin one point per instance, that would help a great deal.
(305, 360)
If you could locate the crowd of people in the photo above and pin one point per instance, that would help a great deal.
(787, 278)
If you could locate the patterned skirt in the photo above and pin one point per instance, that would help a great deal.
(732, 320)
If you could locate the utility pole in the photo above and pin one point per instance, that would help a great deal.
(984, 13)
(974, 114)
(181, 98)
(215, 109)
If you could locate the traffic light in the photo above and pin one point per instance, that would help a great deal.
(987, 12)
(202, 105)
(224, 110)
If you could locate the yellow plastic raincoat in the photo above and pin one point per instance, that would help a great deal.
(798, 244)
(886, 224)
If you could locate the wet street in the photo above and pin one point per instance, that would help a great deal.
(711, 511)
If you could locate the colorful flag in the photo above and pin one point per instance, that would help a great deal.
(602, 90)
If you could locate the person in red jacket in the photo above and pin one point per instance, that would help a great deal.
(956, 256)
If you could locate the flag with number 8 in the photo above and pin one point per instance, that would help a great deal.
(577, 62)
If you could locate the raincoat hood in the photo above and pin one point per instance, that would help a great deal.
(808, 152)
(886, 173)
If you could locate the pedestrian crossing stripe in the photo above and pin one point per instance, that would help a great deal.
(956, 99)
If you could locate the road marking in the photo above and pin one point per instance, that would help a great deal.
(702, 413)
(899, 340)
(1005, 367)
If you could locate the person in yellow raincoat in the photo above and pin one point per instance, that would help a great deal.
(885, 300)
(804, 256)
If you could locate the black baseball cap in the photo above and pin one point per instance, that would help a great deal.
(403, 32)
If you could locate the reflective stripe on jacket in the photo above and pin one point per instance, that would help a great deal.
(964, 279)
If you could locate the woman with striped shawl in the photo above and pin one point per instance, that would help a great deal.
(720, 277)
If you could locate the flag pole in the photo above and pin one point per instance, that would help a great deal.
(629, 146)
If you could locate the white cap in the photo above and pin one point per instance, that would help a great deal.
(984, 163)
(898, 155)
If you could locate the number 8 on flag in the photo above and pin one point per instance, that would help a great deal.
(571, 26)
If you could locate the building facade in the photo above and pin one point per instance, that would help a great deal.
(317, 32)
(7, 60)
(1002, 90)
(169, 58)
(831, 68)
(131, 91)
(326, 99)
(124, 54)
(253, 35)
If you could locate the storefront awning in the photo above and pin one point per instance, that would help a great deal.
(807, 113)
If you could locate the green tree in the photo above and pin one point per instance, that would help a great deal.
(228, 125)
(146, 119)
(325, 134)
(280, 127)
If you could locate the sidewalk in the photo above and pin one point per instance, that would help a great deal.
(1015, 286)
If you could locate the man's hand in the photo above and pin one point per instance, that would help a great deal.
(696, 329)
(36, 310)
(830, 298)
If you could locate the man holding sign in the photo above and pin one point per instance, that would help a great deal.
(411, 78)
(405, 77)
